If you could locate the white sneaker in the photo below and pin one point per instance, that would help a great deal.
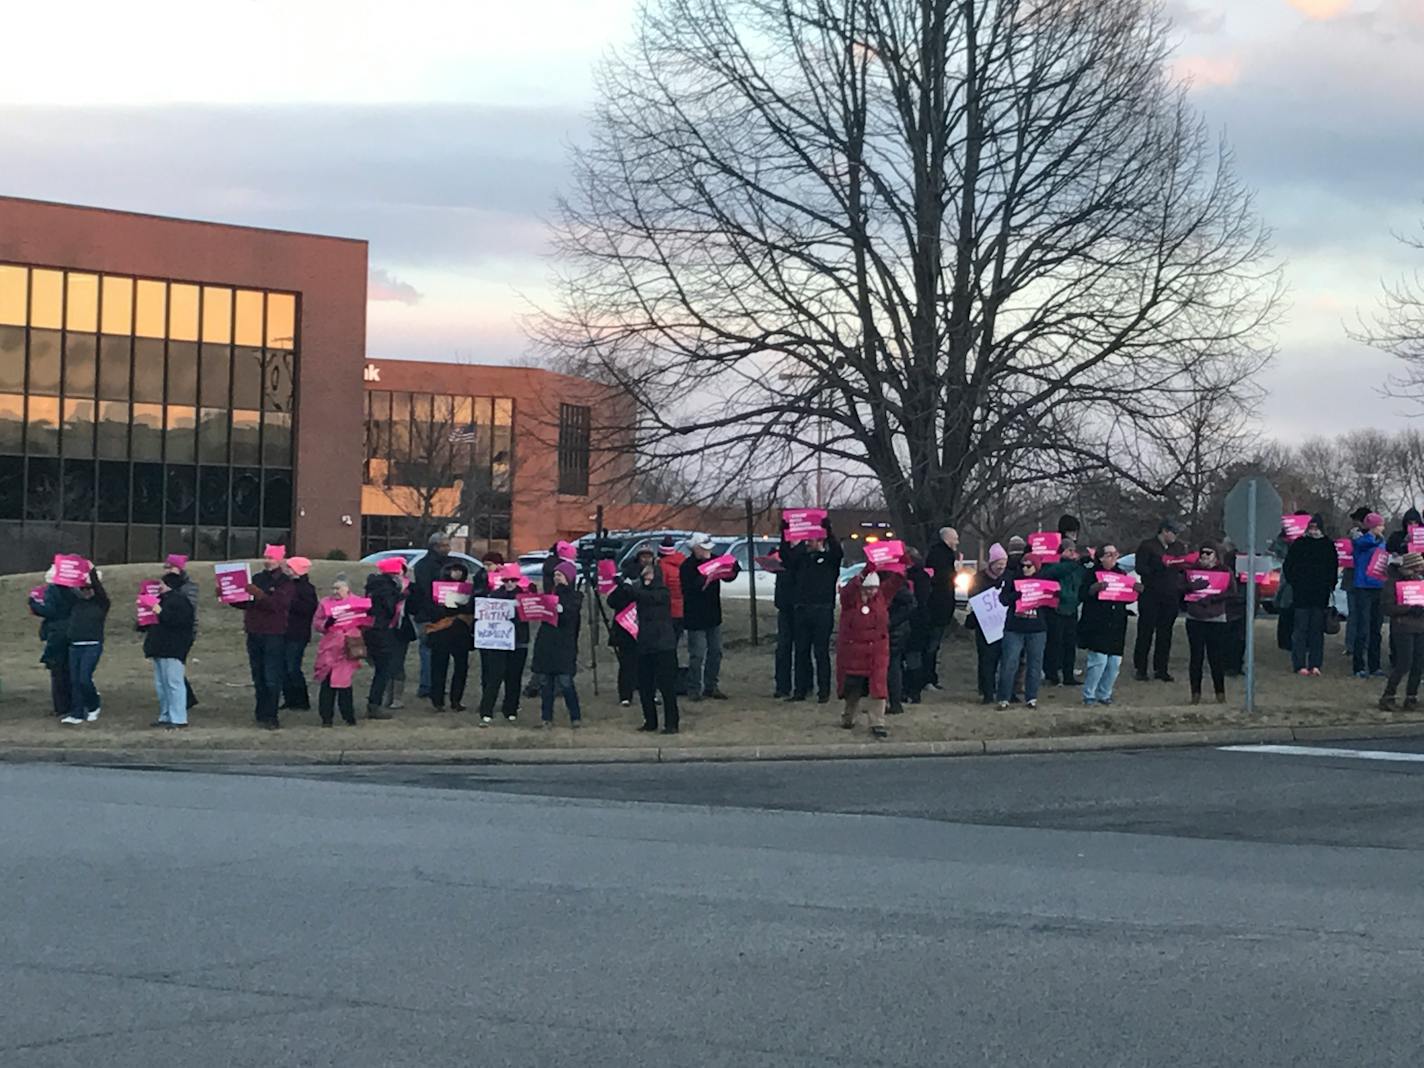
(1003, 705)
(626, 704)
(1033, 703)
(71, 720)
(93, 715)
(485, 721)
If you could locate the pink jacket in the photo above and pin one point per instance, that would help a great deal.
(331, 659)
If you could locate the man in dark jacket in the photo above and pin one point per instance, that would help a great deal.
(382, 646)
(814, 571)
(902, 615)
(167, 643)
(54, 609)
(785, 617)
(86, 646)
(657, 648)
(943, 559)
(420, 603)
(299, 629)
(918, 649)
(265, 620)
(1158, 606)
(555, 660)
(702, 620)
(1312, 567)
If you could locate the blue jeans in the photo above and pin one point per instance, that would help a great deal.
(265, 659)
(172, 687)
(1367, 631)
(1015, 644)
(84, 696)
(1099, 677)
(564, 684)
(704, 660)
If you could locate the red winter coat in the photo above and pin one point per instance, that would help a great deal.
(671, 567)
(863, 640)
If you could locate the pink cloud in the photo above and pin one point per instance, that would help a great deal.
(1208, 70)
(1321, 10)
(382, 285)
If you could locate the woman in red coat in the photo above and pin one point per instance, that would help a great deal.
(863, 646)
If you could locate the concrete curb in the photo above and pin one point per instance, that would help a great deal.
(1079, 743)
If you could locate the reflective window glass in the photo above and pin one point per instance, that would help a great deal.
(144, 543)
(217, 314)
(44, 361)
(211, 544)
(81, 303)
(182, 435)
(182, 372)
(115, 354)
(215, 374)
(12, 424)
(246, 378)
(78, 428)
(277, 385)
(12, 489)
(277, 499)
(12, 358)
(147, 499)
(246, 497)
(151, 309)
(46, 299)
(245, 437)
(148, 369)
(400, 428)
(212, 435)
(44, 489)
(113, 492)
(110, 544)
(79, 359)
(78, 491)
(113, 440)
(247, 318)
(42, 426)
(178, 539)
(147, 432)
(182, 495)
(242, 543)
(213, 495)
(503, 411)
(276, 439)
(182, 312)
(116, 305)
(281, 321)
(14, 295)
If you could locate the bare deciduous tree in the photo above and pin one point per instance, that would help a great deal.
(1398, 328)
(956, 246)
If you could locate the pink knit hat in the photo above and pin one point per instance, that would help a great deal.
(391, 565)
(996, 552)
(564, 550)
(1374, 519)
(177, 560)
(300, 565)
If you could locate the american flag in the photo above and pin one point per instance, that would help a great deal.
(463, 435)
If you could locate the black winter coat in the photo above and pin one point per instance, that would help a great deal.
(813, 576)
(1102, 626)
(86, 618)
(942, 560)
(384, 593)
(655, 629)
(521, 627)
(556, 644)
(171, 638)
(303, 608)
(1162, 585)
(902, 615)
(1009, 596)
(420, 605)
(701, 601)
(1312, 568)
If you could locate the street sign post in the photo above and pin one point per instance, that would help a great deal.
(1251, 515)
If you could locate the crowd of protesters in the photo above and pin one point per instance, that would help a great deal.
(874, 640)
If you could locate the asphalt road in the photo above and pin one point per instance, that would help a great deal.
(1158, 908)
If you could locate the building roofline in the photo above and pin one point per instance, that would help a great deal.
(179, 219)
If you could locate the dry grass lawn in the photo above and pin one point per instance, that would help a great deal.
(218, 668)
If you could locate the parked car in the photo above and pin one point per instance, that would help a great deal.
(411, 556)
(531, 565)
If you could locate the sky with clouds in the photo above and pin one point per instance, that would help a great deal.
(437, 130)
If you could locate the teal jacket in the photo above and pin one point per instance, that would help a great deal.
(1071, 577)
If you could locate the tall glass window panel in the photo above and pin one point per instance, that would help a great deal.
(12, 487)
(148, 371)
(147, 500)
(44, 361)
(44, 489)
(46, 299)
(243, 543)
(217, 314)
(246, 497)
(277, 381)
(12, 358)
(213, 496)
(503, 411)
(79, 364)
(14, 295)
(78, 437)
(110, 544)
(281, 321)
(182, 433)
(276, 439)
(144, 544)
(116, 305)
(502, 459)
(79, 490)
(247, 319)
(400, 429)
(113, 491)
(181, 495)
(246, 437)
(211, 544)
(150, 309)
(215, 378)
(12, 425)
(115, 356)
(182, 312)
(178, 539)
(182, 372)
(42, 426)
(246, 378)
(113, 439)
(81, 303)
(212, 435)
(277, 499)
(147, 441)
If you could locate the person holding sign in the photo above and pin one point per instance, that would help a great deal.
(1061, 652)
(1207, 630)
(177, 564)
(447, 632)
(1102, 630)
(265, 617)
(1157, 610)
(987, 649)
(53, 609)
(657, 649)
(1403, 597)
(555, 659)
(1025, 632)
(702, 619)
(863, 646)
(499, 667)
(1368, 584)
(813, 570)
(383, 589)
(167, 643)
(337, 654)
(943, 560)
(1312, 568)
(86, 646)
(625, 644)
(299, 631)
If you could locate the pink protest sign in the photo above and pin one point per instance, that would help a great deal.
(886, 555)
(1217, 582)
(1182, 560)
(451, 594)
(1416, 538)
(804, 524)
(147, 601)
(628, 619)
(1263, 578)
(771, 563)
(233, 579)
(70, 571)
(719, 567)
(37, 594)
(536, 607)
(607, 577)
(1035, 593)
(1345, 552)
(1409, 593)
(1378, 566)
(1118, 587)
(350, 613)
(1045, 545)
(1293, 526)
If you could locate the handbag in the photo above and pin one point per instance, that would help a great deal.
(355, 647)
(1332, 621)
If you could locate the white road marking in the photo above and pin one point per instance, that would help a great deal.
(1318, 751)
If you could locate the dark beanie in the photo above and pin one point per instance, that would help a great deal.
(1068, 524)
(173, 580)
(1318, 520)
(1358, 515)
